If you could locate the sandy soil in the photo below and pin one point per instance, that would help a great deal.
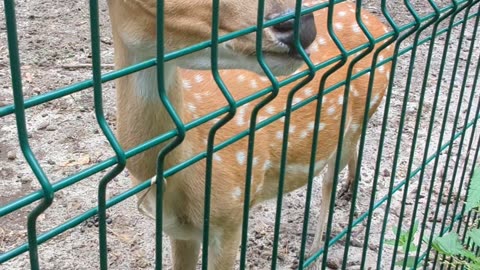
(64, 135)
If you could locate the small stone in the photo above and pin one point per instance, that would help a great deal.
(333, 264)
(51, 128)
(11, 155)
(42, 125)
(50, 162)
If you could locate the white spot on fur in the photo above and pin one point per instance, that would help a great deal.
(374, 100)
(388, 75)
(240, 157)
(259, 188)
(321, 41)
(296, 100)
(331, 110)
(241, 78)
(381, 69)
(311, 125)
(270, 109)
(240, 117)
(303, 134)
(314, 47)
(191, 107)
(308, 91)
(354, 91)
(321, 126)
(338, 25)
(217, 157)
(342, 13)
(354, 127)
(279, 134)
(267, 165)
(197, 96)
(303, 168)
(253, 84)
(264, 79)
(198, 78)
(186, 84)
(262, 118)
(291, 129)
(255, 161)
(340, 100)
(237, 192)
(356, 28)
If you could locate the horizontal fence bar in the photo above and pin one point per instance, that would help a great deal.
(127, 194)
(68, 181)
(395, 189)
(74, 88)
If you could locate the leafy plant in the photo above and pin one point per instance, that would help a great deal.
(449, 244)
(404, 244)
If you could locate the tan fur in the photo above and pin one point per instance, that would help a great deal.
(194, 94)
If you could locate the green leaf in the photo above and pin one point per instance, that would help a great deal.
(415, 227)
(394, 230)
(470, 255)
(473, 199)
(448, 244)
(410, 262)
(474, 234)
(390, 242)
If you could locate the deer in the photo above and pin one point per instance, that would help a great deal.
(192, 91)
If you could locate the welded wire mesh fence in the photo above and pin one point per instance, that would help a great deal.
(416, 154)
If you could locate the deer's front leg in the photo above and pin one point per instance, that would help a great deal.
(184, 254)
(223, 249)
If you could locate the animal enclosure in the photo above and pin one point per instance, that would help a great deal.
(65, 196)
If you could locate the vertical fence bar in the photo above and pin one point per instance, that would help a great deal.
(435, 19)
(251, 136)
(119, 153)
(459, 103)
(371, 46)
(18, 100)
(456, 9)
(384, 127)
(232, 108)
(473, 168)
(431, 124)
(474, 86)
(318, 109)
(414, 29)
(469, 107)
(364, 129)
(180, 129)
(286, 132)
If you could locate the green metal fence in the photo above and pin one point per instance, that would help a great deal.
(438, 52)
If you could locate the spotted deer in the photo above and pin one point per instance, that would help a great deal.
(141, 116)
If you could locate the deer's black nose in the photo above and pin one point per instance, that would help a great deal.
(285, 32)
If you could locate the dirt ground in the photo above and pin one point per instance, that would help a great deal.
(64, 135)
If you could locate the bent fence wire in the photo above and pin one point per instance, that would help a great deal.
(416, 155)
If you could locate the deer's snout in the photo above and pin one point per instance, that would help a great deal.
(284, 31)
